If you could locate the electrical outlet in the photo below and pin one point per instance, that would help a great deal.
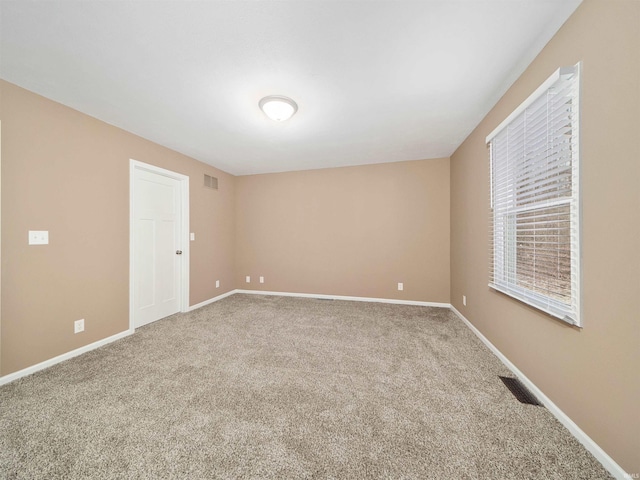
(247, 279)
(38, 237)
(78, 326)
(464, 300)
(400, 286)
(261, 279)
(217, 283)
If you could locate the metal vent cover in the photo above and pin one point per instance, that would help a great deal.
(210, 182)
(522, 394)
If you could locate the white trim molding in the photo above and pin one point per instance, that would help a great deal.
(344, 297)
(61, 358)
(606, 461)
(600, 455)
(211, 300)
(92, 346)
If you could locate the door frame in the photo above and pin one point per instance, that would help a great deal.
(183, 225)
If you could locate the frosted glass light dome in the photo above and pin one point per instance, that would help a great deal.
(278, 108)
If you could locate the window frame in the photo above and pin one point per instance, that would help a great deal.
(504, 240)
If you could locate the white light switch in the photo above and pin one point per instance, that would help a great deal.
(192, 236)
(38, 237)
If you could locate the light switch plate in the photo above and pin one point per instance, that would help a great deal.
(192, 236)
(38, 237)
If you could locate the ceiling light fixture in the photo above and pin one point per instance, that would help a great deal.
(278, 108)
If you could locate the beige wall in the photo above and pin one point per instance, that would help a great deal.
(354, 231)
(68, 173)
(592, 374)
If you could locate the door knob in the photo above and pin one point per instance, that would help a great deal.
(178, 252)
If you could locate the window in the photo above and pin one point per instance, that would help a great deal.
(535, 204)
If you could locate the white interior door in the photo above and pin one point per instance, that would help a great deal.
(157, 251)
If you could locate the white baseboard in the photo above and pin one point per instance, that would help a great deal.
(211, 300)
(608, 463)
(87, 348)
(61, 358)
(343, 297)
(600, 455)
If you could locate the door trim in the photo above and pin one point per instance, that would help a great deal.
(135, 165)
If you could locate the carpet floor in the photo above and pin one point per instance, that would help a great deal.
(264, 387)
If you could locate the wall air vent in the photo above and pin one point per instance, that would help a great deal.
(210, 182)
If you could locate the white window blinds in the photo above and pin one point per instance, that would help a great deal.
(535, 244)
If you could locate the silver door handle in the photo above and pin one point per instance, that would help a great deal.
(178, 252)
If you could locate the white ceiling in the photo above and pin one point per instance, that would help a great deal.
(375, 81)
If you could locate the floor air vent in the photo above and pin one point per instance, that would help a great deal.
(520, 391)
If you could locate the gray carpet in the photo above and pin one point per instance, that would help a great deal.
(275, 387)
